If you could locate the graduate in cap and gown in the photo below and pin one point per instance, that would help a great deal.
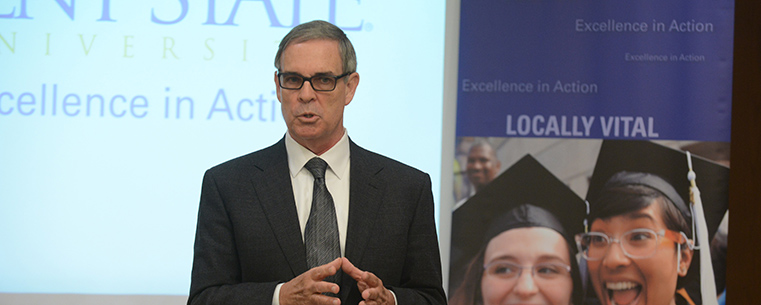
(513, 242)
(640, 246)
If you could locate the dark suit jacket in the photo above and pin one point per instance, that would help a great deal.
(248, 237)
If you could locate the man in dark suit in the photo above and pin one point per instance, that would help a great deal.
(250, 246)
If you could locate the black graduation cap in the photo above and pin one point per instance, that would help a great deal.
(646, 163)
(525, 195)
(671, 166)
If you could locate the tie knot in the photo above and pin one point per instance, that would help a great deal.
(317, 167)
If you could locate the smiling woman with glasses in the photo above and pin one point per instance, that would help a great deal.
(646, 217)
(519, 231)
(640, 243)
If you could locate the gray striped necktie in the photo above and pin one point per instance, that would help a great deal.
(321, 232)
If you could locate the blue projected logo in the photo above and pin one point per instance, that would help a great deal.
(21, 12)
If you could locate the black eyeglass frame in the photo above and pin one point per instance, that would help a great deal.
(304, 79)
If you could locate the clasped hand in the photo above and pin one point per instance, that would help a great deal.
(308, 287)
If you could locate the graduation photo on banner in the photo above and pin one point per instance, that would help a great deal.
(592, 152)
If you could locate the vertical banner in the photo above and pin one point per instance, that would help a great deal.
(577, 125)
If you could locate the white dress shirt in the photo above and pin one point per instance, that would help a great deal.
(336, 179)
(302, 181)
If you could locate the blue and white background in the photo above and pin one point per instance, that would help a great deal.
(111, 110)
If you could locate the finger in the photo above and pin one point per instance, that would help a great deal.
(362, 286)
(324, 299)
(372, 280)
(376, 296)
(333, 267)
(322, 287)
(351, 270)
(369, 294)
(304, 290)
(337, 262)
(319, 273)
(373, 293)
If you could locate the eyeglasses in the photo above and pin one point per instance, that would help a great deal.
(319, 82)
(637, 243)
(510, 271)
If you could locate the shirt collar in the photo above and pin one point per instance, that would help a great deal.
(337, 156)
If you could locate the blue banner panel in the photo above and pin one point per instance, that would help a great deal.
(657, 70)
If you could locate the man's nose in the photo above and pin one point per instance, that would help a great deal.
(306, 93)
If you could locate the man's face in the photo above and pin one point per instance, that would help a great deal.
(482, 166)
(315, 118)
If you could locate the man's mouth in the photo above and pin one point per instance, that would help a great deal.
(476, 173)
(623, 293)
(308, 115)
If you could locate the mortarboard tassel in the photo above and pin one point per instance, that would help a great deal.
(707, 284)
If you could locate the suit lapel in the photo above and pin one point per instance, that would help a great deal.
(365, 197)
(273, 187)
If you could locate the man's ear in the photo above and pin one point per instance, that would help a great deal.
(351, 87)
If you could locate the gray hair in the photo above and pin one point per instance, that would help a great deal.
(319, 29)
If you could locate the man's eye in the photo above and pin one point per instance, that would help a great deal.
(292, 79)
(323, 80)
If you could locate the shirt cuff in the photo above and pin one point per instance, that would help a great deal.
(276, 295)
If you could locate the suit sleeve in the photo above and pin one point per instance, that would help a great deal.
(421, 281)
(217, 277)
